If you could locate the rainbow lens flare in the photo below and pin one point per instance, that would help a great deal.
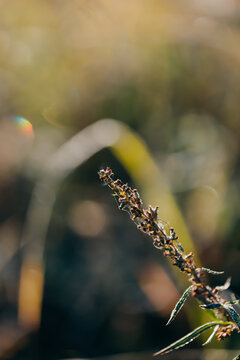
(24, 125)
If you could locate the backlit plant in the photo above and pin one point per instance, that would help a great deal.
(226, 318)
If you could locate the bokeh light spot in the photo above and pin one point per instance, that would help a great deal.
(24, 125)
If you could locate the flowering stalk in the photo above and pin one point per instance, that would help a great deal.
(147, 221)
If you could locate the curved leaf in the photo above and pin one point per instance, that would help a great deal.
(234, 315)
(211, 336)
(224, 286)
(212, 271)
(190, 337)
(179, 304)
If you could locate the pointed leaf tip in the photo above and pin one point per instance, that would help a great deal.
(189, 337)
(213, 272)
(225, 286)
(211, 306)
(211, 336)
(179, 304)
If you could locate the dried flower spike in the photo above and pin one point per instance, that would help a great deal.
(147, 221)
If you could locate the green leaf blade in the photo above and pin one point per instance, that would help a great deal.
(189, 337)
(211, 306)
(211, 336)
(234, 315)
(213, 272)
(179, 304)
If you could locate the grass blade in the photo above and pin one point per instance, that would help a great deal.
(179, 304)
(211, 336)
(212, 271)
(189, 337)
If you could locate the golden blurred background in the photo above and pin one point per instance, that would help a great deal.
(151, 89)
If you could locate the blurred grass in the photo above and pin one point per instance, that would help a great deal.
(62, 58)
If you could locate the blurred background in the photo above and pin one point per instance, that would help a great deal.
(77, 279)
